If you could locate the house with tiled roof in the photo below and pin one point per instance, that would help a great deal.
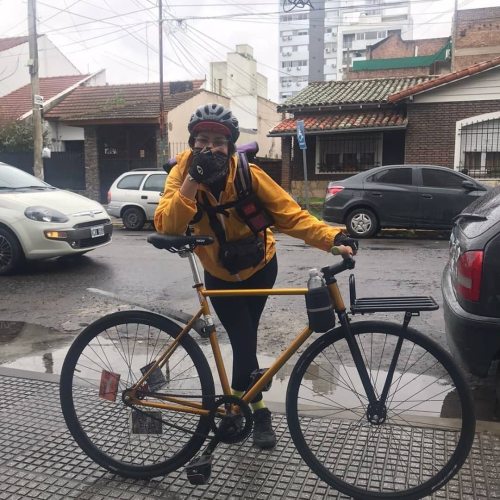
(353, 125)
(17, 105)
(121, 125)
(14, 57)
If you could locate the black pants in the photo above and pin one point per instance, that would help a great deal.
(240, 317)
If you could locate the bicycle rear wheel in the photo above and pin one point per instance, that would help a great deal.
(429, 425)
(125, 440)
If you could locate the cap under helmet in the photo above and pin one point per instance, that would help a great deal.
(214, 117)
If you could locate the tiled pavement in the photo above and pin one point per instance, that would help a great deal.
(39, 459)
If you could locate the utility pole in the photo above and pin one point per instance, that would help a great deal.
(35, 91)
(162, 144)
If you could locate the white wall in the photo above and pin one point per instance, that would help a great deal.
(238, 79)
(14, 72)
(482, 87)
(52, 62)
(58, 132)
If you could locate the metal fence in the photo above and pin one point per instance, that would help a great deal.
(64, 170)
(480, 149)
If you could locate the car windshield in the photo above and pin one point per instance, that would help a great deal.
(14, 178)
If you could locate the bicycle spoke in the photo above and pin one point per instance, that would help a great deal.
(406, 445)
(139, 437)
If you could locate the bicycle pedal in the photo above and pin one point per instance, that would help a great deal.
(199, 469)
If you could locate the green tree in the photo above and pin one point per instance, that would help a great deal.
(16, 136)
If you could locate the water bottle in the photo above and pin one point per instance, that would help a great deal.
(315, 279)
(319, 304)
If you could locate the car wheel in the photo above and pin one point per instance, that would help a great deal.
(11, 253)
(133, 218)
(362, 223)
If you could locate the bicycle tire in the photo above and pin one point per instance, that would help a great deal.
(435, 423)
(110, 432)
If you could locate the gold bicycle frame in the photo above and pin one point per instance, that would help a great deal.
(183, 405)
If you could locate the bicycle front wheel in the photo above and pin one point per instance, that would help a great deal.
(105, 359)
(417, 443)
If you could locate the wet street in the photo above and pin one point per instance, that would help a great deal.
(43, 308)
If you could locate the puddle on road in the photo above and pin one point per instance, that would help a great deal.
(36, 348)
(32, 347)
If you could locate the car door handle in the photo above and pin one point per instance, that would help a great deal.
(428, 196)
(144, 197)
(376, 194)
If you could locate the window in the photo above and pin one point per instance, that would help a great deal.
(132, 181)
(367, 160)
(155, 182)
(493, 160)
(287, 18)
(350, 161)
(472, 160)
(441, 179)
(348, 39)
(333, 161)
(393, 176)
(348, 153)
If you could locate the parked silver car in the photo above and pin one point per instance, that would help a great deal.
(134, 196)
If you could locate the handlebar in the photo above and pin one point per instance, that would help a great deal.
(329, 272)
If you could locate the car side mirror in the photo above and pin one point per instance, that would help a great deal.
(469, 185)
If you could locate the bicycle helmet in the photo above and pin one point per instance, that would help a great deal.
(214, 117)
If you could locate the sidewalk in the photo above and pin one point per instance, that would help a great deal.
(39, 459)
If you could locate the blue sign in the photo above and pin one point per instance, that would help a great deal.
(301, 134)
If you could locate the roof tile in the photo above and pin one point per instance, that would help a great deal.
(131, 101)
(8, 43)
(373, 90)
(343, 121)
(18, 102)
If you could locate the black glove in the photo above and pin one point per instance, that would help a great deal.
(343, 239)
(208, 167)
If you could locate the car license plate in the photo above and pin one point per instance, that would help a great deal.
(96, 231)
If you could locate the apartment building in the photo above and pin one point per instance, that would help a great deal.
(322, 42)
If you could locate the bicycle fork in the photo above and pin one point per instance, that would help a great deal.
(376, 411)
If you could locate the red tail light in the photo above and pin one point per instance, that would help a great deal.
(109, 196)
(469, 272)
(333, 190)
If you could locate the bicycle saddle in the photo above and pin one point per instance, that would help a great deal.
(175, 243)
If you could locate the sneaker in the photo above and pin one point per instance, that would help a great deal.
(263, 434)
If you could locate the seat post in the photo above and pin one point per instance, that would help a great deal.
(194, 266)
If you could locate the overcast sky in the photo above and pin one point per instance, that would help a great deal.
(121, 36)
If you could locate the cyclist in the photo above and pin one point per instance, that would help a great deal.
(200, 192)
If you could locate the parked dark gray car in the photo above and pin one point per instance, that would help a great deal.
(471, 285)
(399, 196)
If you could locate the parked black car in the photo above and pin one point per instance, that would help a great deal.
(471, 285)
(399, 196)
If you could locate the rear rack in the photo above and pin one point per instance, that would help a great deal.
(411, 304)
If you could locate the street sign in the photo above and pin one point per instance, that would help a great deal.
(301, 139)
(38, 100)
(301, 134)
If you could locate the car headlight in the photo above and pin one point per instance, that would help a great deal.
(45, 214)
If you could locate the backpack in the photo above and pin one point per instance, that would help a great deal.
(247, 205)
(248, 252)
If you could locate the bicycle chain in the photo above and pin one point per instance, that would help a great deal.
(212, 409)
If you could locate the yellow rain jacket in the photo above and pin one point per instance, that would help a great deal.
(175, 211)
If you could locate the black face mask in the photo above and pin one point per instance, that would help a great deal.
(214, 166)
